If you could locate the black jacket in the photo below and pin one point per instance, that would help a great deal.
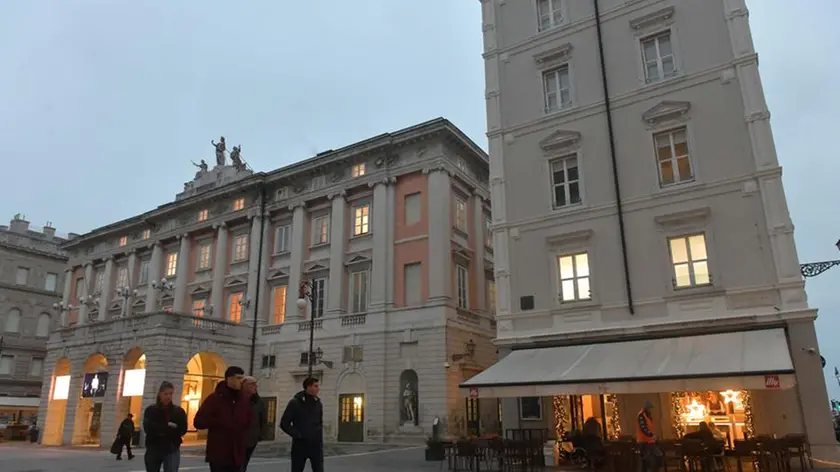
(126, 429)
(303, 420)
(258, 429)
(159, 436)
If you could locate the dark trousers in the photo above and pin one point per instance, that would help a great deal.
(248, 452)
(125, 442)
(314, 455)
(224, 468)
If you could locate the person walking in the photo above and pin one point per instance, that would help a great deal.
(646, 439)
(226, 415)
(125, 433)
(303, 420)
(165, 425)
(258, 430)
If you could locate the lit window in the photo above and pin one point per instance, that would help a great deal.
(122, 277)
(204, 256)
(22, 276)
(203, 214)
(672, 157)
(359, 291)
(198, 307)
(557, 89)
(282, 239)
(144, 272)
(123, 240)
(460, 215)
(238, 204)
(50, 282)
(235, 307)
(549, 13)
(240, 247)
(690, 261)
(658, 55)
(574, 277)
(359, 170)
(361, 220)
(146, 234)
(565, 182)
(463, 287)
(171, 264)
(279, 309)
(321, 230)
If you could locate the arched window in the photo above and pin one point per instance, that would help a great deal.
(13, 321)
(43, 328)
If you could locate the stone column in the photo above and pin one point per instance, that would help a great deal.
(75, 393)
(132, 268)
(155, 270)
(87, 286)
(107, 288)
(440, 233)
(297, 251)
(379, 217)
(65, 297)
(254, 262)
(182, 274)
(338, 240)
(217, 295)
(391, 222)
(265, 258)
(480, 276)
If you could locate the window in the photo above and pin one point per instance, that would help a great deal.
(574, 277)
(413, 281)
(13, 321)
(319, 182)
(22, 276)
(460, 215)
(557, 89)
(203, 214)
(359, 291)
(530, 408)
(491, 296)
(36, 367)
(99, 279)
(412, 209)
(171, 264)
(321, 230)
(51, 282)
(658, 55)
(565, 182)
(461, 164)
(359, 170)
(238, 204)
(144, 272)
(203, 262)
(42, 330)
(488, 232)
(269, 362)
(282, 237)
(80, 287)
(235, 307)
(691, 264)
(146, 234)
(279, 309)
(240, 247)
(361, 219)
(319, 297)
(672, 157)
(352, 354)
(123, 240)
(122, 277)
(198, 306)
(6, 364)
(549, 13)
(462, 286)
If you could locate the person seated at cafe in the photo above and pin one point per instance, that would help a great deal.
(591, 440)
(703, 433)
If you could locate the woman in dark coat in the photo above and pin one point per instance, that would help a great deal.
(258, 429)
(165, 424)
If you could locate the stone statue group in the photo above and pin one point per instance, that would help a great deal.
(221, 148)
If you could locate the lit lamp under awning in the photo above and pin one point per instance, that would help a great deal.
(134, 382)
(61, 389)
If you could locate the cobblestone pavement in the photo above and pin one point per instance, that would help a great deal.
(32, 458)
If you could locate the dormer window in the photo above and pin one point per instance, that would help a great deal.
(202, 215)
(123, 240)
(146, 234)
(238, 204)
(358, 170)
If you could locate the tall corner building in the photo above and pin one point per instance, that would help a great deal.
(643, 246)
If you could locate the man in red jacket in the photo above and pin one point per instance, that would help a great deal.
(226, 414)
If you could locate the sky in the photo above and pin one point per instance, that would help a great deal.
(103, 103)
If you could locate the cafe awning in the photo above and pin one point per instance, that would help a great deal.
(737, 360)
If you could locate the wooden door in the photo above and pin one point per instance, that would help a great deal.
(351, 417)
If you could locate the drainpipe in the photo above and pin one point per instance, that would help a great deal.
(256, 300)
(616, 186)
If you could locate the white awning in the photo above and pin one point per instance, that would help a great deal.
(19, 402)
(749, 360)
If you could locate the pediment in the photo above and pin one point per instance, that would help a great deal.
(560, 140)
(139, 302)
(694, 218)
(167, 296)
(277, 274)
(315, 267)
(651, 20)
(116, 305)
(357, 259)
(200, 289)
(666, 111)
(554, 56)
(235, 281)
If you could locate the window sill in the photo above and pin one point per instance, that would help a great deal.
(568, 208)
(204, 270)
(319, 245)
(281, 253)
(577, 304)
(693, 292)
(677, 187)
(361, 236)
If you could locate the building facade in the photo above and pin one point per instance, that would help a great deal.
(389, 238)
(31, 278)
(643, 246)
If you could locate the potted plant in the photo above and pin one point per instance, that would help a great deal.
(434, 450)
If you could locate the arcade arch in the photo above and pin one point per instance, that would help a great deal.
(203, 371)
(87, 427)
(56, 402)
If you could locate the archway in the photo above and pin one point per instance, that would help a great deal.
(56, 403)
(132, 385)
(87, 427)
(351, 408)
(204, 370)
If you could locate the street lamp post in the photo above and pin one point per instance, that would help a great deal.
(813, 269)
(126, 294)
(306, 296)
(163, 286)
(62, 309)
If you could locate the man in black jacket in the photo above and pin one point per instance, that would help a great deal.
(303, 420)
(126, 434)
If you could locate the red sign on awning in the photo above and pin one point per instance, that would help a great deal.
(772, 382)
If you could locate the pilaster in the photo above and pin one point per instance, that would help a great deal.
(389, 248)
(338, 241)
(217, 296)
(65, 297)
(132, 269)
(253, 265)
(298, 250)
(155, 269)
(86, 289)
(107, 288)
(440, 233)
(70, 413)
(478, 254)
(181, 274)
(380, 223)
(265, 258)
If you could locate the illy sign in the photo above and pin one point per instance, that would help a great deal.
(772, 382)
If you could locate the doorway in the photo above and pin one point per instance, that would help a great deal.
(351, 417)
(271, 412)
(473, 418)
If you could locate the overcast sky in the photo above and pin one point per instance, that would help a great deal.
(103, 103)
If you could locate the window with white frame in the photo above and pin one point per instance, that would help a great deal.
(240, 247)
(51, 282)
(282, 239)
(462, 286)
(36, 367)
(460, 214)
(321, 230)
(565, 182)
(359, 170)
(690, 261)
(557, 89)
(658, 55)
(171, 264)
(12, 321)
(550, 13)
(144, 272)
(319, 297)
(42, 329)
(22, 276)
(6, 364)
(359, 291)
(278, 310)
(235, 307)
(530, 408)
(122, 277)
(413, 283)
(361, 219)
(672, 157)
(204, 256)
(573, 272)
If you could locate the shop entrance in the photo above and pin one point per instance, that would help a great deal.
(204, 371)
(87, 426)
(351, 417)
(583, 407)
(56, 406)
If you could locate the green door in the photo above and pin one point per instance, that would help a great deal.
(351, 417)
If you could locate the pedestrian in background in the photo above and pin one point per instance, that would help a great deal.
(165, 425)
(125, 433)
(226, 415)
(303, 420)
(258, 430)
